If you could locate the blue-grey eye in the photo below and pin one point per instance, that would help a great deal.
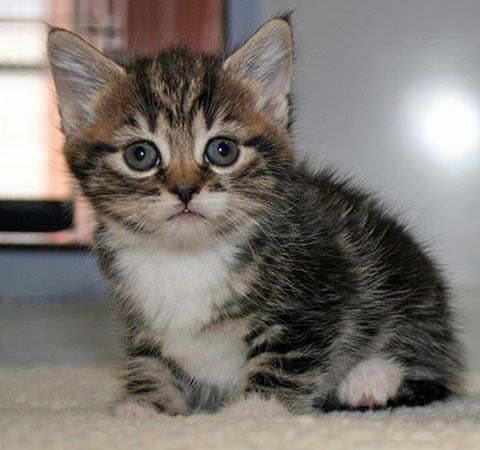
(222, 152)
(141, 156)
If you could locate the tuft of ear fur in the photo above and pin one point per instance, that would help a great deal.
(265, 61)
(80, 73)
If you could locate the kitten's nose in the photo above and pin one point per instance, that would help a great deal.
(185, 192)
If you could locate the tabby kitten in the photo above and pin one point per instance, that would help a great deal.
(240, 273)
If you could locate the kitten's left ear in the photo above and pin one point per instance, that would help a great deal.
(81, 73)
(265, 61)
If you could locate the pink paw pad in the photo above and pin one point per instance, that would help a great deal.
(367, 400)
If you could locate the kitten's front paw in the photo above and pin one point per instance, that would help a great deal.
(256, 406)
(142, 408)
(371, 383)
(134, 409)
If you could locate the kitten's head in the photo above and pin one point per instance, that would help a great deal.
(180, 146)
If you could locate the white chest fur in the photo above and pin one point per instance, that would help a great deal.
(177, 293)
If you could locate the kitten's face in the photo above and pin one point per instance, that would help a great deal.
(182, 147)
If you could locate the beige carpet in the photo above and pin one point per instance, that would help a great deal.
(68, 408)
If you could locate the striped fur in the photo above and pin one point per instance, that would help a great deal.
(293, 286)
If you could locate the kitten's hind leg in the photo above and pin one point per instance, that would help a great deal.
(370, 384)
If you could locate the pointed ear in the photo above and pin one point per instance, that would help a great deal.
(80, 73)
(265, 61)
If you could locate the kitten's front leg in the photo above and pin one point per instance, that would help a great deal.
(274, 378)
(151, 388)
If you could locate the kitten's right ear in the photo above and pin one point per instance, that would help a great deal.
(265, 62)
(80, 73)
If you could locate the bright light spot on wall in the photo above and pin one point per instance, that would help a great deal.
(449, 124)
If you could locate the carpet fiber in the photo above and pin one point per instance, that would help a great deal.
(69, 408)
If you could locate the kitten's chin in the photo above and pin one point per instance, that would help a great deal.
(184, 231)
(187, 229)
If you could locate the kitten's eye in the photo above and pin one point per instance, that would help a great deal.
(141, 156)
(222, 152)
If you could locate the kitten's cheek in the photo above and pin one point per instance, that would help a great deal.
(210, 206)
(209, 211)
(159, 213)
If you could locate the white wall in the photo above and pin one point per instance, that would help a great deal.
(365, 70)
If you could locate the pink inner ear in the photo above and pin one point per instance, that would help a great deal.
(277, 107)
(272, 105)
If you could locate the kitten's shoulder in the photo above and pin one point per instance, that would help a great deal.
(331, 185)
(341, 201)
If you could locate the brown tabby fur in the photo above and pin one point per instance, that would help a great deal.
(289, 286)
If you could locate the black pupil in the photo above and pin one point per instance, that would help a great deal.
(140, 153)
(223, 149)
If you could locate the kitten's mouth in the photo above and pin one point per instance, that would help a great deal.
(186, 215)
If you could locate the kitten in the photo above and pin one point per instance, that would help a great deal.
(238, 271)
